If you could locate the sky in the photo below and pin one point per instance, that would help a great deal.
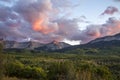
(71, 21)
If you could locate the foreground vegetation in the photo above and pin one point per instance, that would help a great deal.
(79, 64)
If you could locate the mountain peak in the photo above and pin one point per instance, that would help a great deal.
(55, 45)
(55, 42)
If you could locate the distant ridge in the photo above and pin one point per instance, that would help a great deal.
(32, 45)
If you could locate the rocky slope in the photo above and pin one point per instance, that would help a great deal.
(21, 45)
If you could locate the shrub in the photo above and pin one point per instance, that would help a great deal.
(14, 69)
(61, 71)
(17, 69)
(91, 71)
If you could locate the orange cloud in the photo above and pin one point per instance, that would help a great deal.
(37, 25)
(40, 25)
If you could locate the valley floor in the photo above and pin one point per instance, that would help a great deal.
(61, 66)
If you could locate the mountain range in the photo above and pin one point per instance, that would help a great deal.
(103, 42)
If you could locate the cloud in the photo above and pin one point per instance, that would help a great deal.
(37, 20)
(110, 10)
(31, 19)
(116, 0)
(36, 13)
(111, 27)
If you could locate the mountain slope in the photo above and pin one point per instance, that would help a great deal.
(104, 42)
